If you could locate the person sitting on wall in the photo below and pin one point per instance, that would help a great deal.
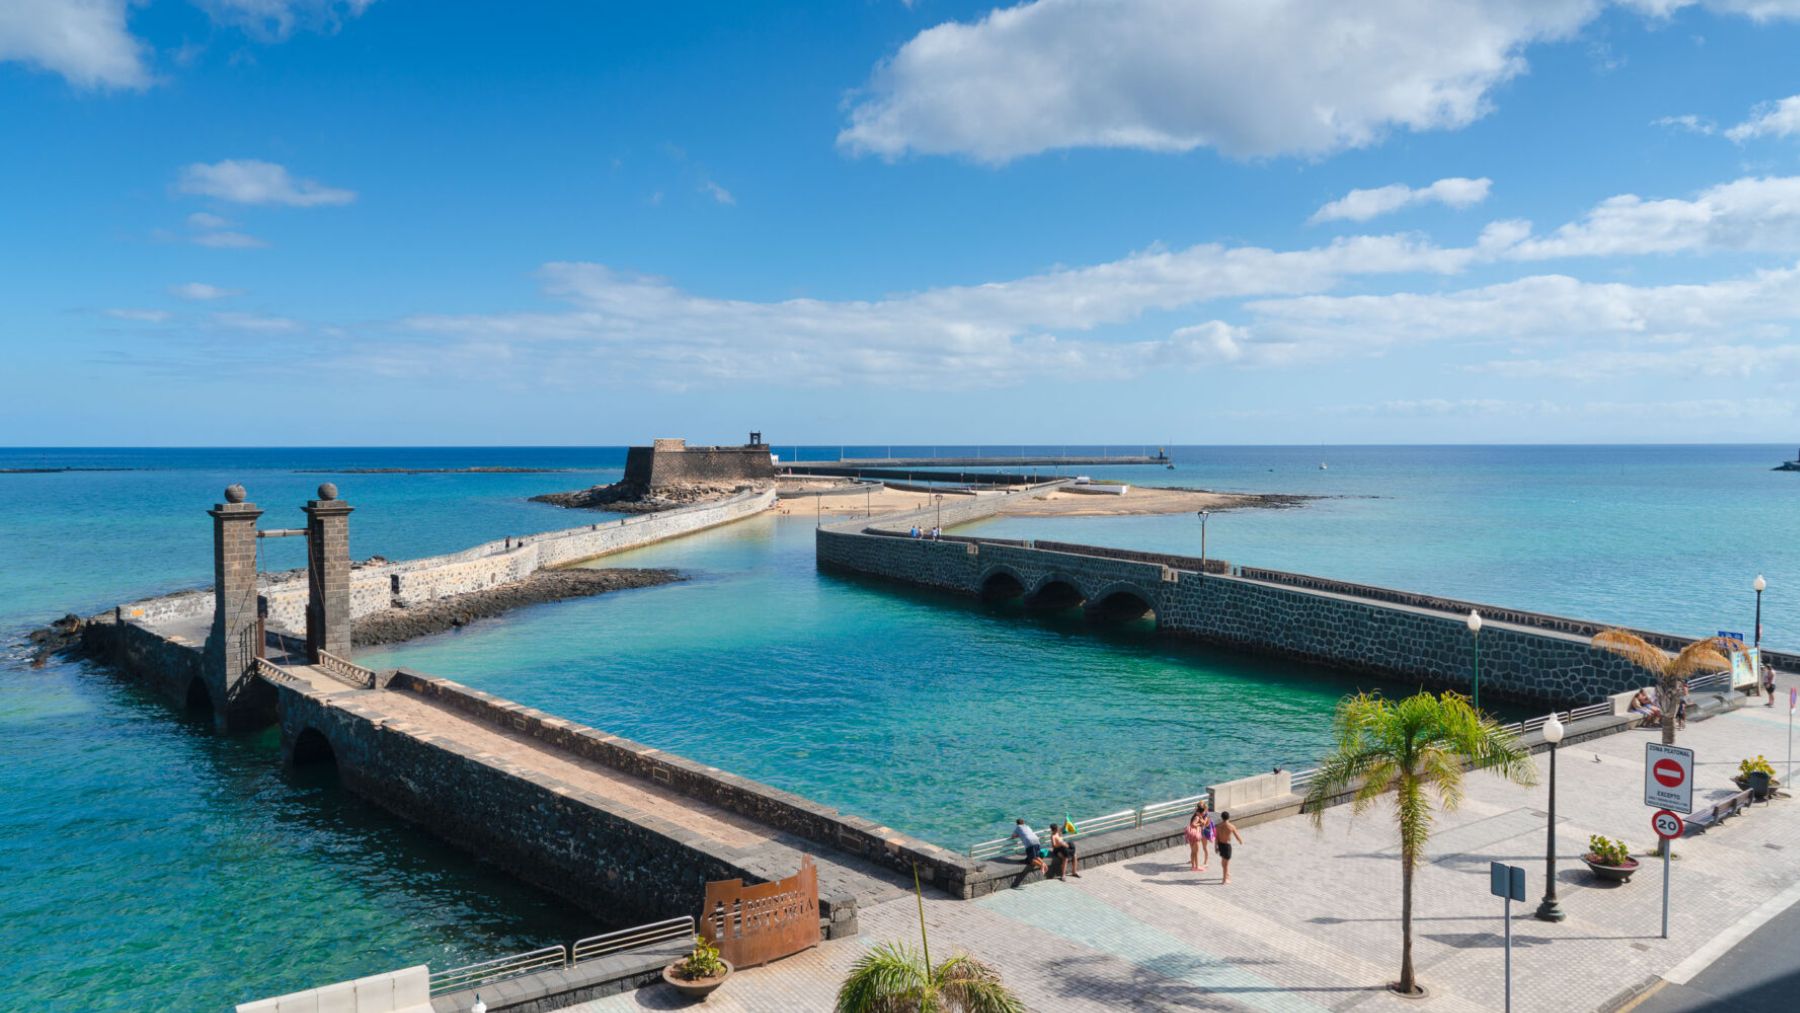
(1645, 707)
(915, 532)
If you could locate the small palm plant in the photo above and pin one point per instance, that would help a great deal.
(1414, 746)
(1669, 669)
(892, 978)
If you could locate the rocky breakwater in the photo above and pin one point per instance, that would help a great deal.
(394, 625)
(634, 497)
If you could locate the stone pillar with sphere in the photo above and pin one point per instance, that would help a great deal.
(231, 647)
(327, 575)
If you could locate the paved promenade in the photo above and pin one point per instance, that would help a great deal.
(1310, 920)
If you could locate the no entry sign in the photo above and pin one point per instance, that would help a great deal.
(1668, 777)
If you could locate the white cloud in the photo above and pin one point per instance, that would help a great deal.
(1277, 77)
(273, 20)
(228, 240)
(255, 323)
(977, 335)
(1687, 121)
(1722, 327)
(1251, 79)
(1776, 119)
(1755, 10)
(248, 181)
(717, 192)
(139, 315)
(86, 41)
(1362, 205)
(1745, 214)
(199, 291)
(202, 220)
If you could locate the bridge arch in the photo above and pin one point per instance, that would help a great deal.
(312, 747)
(1002, 582)
(199, 698)
(1056, 591)
(1123, 601)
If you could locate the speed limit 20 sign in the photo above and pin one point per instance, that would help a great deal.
(1666, 824)
(1668, 777)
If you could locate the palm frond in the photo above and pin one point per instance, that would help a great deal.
(970, 986)
(1702, 656)
(889, 978)
(1633, 648)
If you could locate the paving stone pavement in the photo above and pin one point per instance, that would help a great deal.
(1310, 920)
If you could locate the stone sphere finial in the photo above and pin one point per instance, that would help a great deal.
(234, 493)
(328, 491)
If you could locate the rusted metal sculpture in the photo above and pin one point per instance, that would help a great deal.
(753, 925)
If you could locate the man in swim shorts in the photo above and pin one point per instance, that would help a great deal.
(1226, 832)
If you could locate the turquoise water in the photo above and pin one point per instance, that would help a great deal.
(168, 867)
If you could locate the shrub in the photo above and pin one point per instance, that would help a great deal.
(1756, 766)
(704, 962)
(1609, 852)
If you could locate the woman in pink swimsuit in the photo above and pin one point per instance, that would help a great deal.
(1199, 835)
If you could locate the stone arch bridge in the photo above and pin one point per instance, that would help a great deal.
(1394, 635)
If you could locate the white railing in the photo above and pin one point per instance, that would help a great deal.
(489, 971)
(630, 939)
(269, 670)
(1299, 781)
(1123, 819)
(1714, 680)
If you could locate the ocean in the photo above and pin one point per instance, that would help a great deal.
(170, 866)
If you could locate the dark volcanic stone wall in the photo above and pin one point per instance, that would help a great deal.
(671, 463)
(1389, 640)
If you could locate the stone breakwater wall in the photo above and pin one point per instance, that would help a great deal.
(1386, 639)
(771, 807)
(411, 582)
(620, 863)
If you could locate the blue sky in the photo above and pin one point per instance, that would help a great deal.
(397, 222)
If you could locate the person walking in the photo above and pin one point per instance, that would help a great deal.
(1227, 832)
(1769, 683)
(1064, 851)
(1034, 849)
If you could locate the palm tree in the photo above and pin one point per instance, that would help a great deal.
(891, 978)
(1413, 746)
(1669, 669)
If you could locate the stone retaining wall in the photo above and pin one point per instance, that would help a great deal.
(771, 807)
(410, 582)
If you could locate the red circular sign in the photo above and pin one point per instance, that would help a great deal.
(1668, 773)
(1667, 825)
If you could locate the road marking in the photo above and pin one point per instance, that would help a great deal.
(1700, 959)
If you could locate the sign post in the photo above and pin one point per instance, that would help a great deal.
(1668, 826)
(1507, 882)
(1793, 698)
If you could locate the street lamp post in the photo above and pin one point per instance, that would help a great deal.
(1204, 514)
(1549, 910)
(1759, 584)
(1474, 623)
(939, 497)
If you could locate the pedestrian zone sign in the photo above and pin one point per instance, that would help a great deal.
(1668, 777)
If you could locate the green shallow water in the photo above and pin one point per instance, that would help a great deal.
(938, 716)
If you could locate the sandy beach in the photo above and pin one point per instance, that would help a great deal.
(874, 501)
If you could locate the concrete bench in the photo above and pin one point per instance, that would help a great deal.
(403, 991)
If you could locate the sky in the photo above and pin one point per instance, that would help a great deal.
(397, 222)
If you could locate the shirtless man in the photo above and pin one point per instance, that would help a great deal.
(1226, 832)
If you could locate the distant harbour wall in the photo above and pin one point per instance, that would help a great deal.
(412, 582)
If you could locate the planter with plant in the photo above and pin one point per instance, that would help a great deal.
(698, 973)
(1609, 860)
(1757, 775)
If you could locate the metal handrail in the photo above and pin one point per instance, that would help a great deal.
(488, 971)
(1298, 781)
(627, 939)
